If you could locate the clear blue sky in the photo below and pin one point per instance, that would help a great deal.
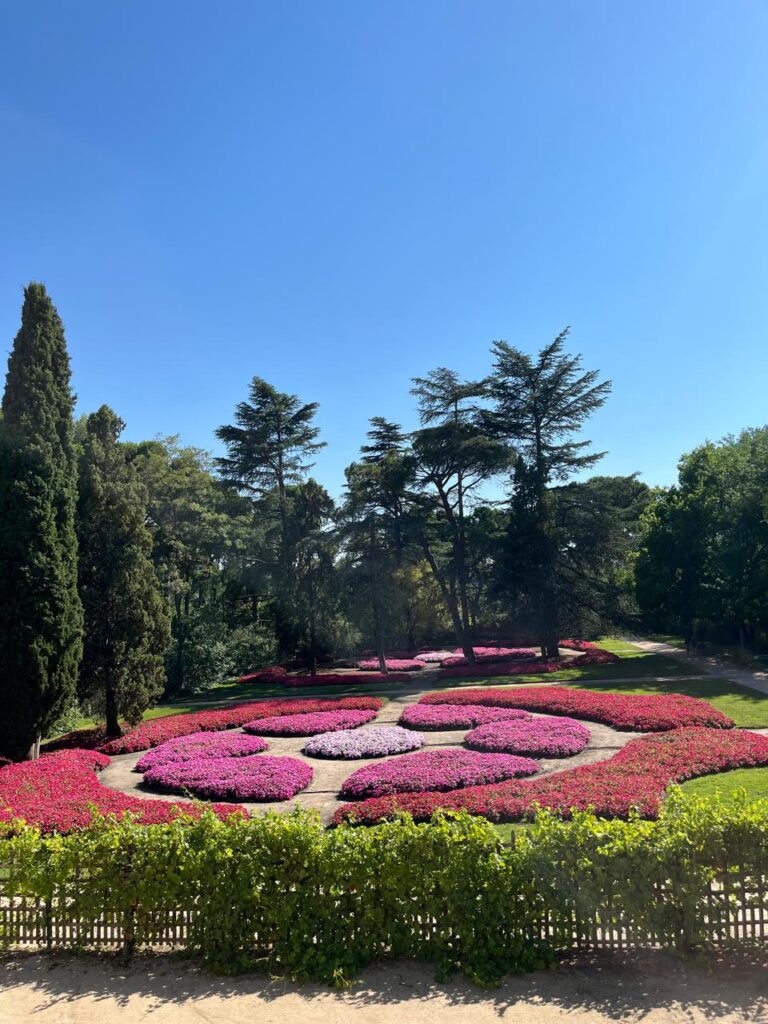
(339, 195)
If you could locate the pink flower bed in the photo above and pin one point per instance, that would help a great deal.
(578, 645)
(536, 737)
(199, 745)
(254, 778)
(347, 678)
(60, 791)
(309, 725)
(531, 667)
(451, 716)
(378, 741)
(273, 674)
(434, 770)
(499, 653)
(393, 665)
(643, 713)
(597, 656)
(158, 730)
(636, 778)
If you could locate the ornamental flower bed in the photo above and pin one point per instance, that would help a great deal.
(532, 667)
(60, 792)
(578, 645)
(273, 674)
(347, 678)
(451, 716)
(393, 665)
(499, 653)
(434, 770)
(643, 713)
(309, 725)
(634, 779)
(597, 656)
(253, 778)
(536, 737)
(378, 741)
(158, 730)
(200, 745)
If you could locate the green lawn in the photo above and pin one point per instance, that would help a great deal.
(753, 780)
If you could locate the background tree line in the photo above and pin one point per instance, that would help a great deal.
(133, 570)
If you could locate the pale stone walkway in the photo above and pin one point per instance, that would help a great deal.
(643, 989)
(709, 665)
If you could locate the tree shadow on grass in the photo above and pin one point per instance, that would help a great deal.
(627, 987)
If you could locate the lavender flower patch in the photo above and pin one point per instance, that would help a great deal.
(378, 741)
(434, 770)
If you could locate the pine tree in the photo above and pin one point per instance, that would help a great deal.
(126, 621)
(540, 407)
(40, 610)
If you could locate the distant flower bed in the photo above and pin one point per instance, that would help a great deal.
(60, 792)
(451, 716)
(578, 645)
(529, 667)
(310, 724)
(393, 665)
(273, 674)
(597, 656)
(378, 741)
(634, 779)
(200, 745)
(435, 657)
(347, 678)
(253, 778)
(434, 770)
(644, 713)
(535, 737)
(491, 654)
(158, 730)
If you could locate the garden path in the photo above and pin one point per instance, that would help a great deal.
(710, 665)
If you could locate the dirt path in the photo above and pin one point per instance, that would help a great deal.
(321, 794)
(652, 989)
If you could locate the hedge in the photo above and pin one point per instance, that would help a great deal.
(282, 894)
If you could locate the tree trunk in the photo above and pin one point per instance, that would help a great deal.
(452, 604)
(111, 713)
(34, 750)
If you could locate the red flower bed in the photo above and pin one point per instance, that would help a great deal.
(637, 777)
(597, 656)
(347, 678)
(654, 713)
(58, 792)
(532, 667)
(158, 730)
(489, 655)
(273, 674)
(578, 645)
(393, 664)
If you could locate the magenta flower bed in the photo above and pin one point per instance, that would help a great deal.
(435, 771)
(451, 716)
(347, 678)
(254, 778)
(536, 737)
(499, 653)
(200, 745)
(597, 656)
(273, 674)
(309, 725)
(645, 713)
(378, 741)
(393, 665)
(578, 645)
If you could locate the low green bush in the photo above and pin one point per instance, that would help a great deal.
(283, 894)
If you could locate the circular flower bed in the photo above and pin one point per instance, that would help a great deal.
(537, 737)
(309, 725)
(434, 770)
(201, 745)
(452, 716)
(378, 741)
(253, 778)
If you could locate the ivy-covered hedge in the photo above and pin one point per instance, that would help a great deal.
(287, 896)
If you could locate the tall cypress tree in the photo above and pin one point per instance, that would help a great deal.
(127, 628)
(40, 611)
